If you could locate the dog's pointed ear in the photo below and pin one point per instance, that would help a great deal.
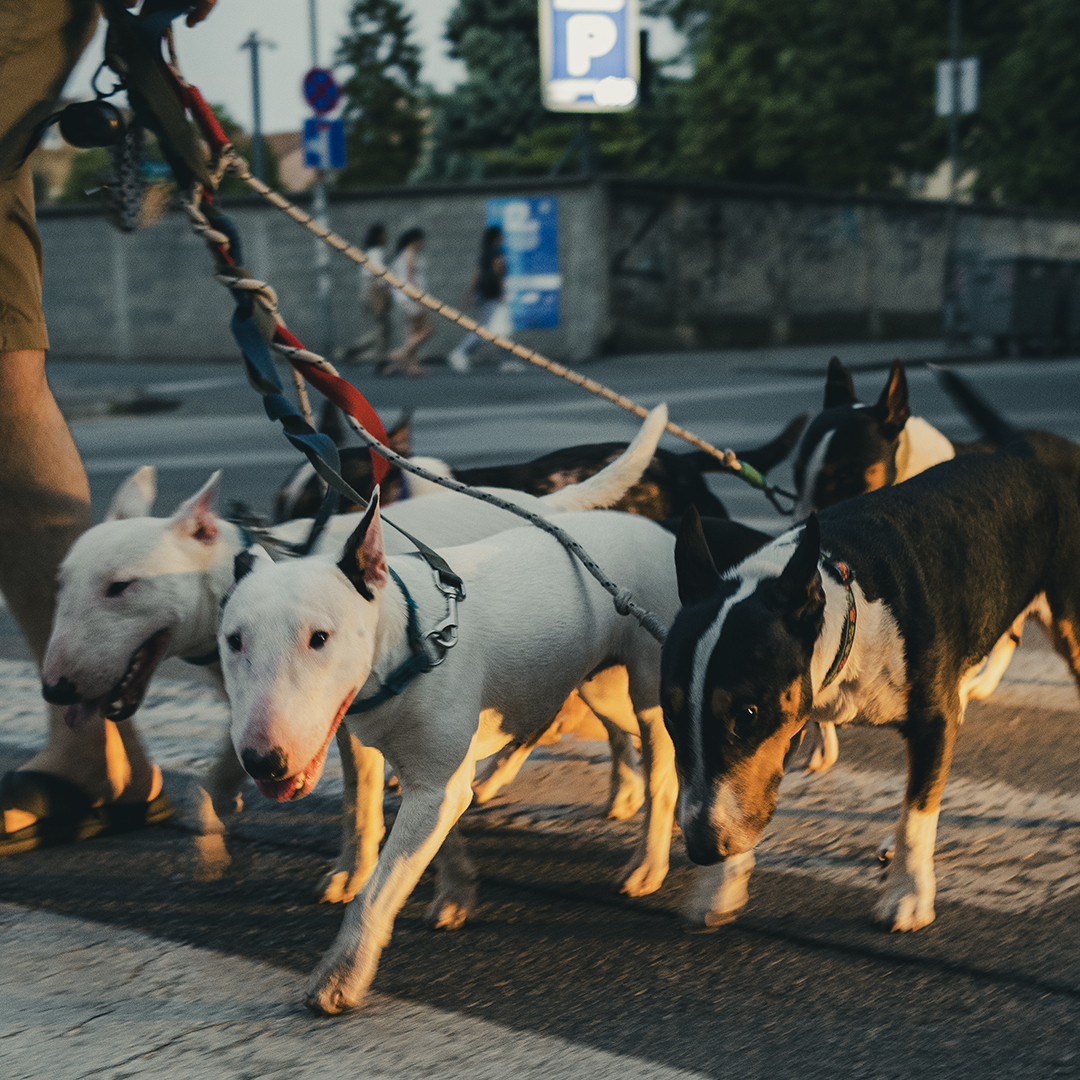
(399, 437)
(892, 408)
(801, 593)
(694, 567)
(135, 496)
(363, 561)
(196, 517)
(244, 562)
(839, 389)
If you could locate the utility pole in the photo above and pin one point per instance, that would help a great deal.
(952, 298)
(319, 212)
(253, 43)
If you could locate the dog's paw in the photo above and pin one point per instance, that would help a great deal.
(643, 879)
(339, 983)
(904, 909)
(210, 857)
(719, 893)
(338, 887)
(451, 907)
(626, 799)
(886, 849)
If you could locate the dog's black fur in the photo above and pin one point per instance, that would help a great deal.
(956, 555)
(671, 484)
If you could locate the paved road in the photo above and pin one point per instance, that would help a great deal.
(119, 963)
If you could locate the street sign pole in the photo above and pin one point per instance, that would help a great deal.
(319, 212)
(952, 298)
(253, 43)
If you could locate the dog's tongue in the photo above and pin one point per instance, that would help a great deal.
(77, 715)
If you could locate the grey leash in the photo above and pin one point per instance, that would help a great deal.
(623, 600)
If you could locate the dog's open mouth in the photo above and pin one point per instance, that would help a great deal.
(303, 782)
(126, 696)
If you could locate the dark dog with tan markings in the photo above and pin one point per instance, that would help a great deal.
(877, 611)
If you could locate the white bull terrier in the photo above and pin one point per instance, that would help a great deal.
(300, 640)
(135, 590)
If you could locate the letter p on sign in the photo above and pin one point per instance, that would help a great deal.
(588, 37)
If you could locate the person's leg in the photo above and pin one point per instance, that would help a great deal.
(44, 497)
(420, 329)
(460, 360)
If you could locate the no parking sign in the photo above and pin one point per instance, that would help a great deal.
(589, 55)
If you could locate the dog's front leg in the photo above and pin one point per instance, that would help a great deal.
(908, 901)
(824, 747)
(362, 826)
(649, 866)
(426, 816)
(218, 797)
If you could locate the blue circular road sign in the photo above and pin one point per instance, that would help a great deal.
(321, 90)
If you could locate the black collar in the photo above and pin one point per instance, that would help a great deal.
(842, 572)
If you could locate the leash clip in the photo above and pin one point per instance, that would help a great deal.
(443, 636)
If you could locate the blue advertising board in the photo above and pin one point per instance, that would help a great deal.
(324, 144)
(589, 55)
(531, 245)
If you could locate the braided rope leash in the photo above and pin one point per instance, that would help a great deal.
(239, 168)
(320, 371)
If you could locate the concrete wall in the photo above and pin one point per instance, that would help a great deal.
(698, 266)
(645, 265)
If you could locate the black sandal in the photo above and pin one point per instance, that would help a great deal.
(64, 812)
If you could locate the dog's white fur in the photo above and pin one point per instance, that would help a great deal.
(182, 567)
(533, 627)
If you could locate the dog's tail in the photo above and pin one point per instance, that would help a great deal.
(762, 458)
(986, 420)
(608, 486)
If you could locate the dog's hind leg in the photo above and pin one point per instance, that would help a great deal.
(626, 788)
(455, 885)
(908, 900)
(362, 828)
(505, 768)
(985, 682)
(429, 810)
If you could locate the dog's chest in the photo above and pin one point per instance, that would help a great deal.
(873, 686)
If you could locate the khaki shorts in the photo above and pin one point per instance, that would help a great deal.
(40, 42)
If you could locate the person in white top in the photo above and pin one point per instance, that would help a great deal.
(376, 293)
(411, 266)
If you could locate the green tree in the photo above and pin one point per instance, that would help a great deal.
(495, 124)
(823, 93)
(385, 104)
(1024, 140)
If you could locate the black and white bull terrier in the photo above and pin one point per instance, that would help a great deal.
(876, 611)
(301, 639)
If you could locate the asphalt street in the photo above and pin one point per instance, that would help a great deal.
(117, 942)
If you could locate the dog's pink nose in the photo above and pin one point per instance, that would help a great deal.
(273, 765)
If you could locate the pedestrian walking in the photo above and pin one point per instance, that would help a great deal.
(98, 774)
(376, 294)
(411, 266)
(487, 290)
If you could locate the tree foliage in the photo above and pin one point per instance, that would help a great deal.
(824, 93)
(495, 124)
(384, 109)
(1025, 138)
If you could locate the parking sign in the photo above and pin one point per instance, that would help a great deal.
(324, 144)
(589, 55)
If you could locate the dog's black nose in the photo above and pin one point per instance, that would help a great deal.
(61, 692)
(270, 766)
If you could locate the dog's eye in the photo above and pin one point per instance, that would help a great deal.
(319, 639)
(745, 716)
(234, 641)
(117, 587)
